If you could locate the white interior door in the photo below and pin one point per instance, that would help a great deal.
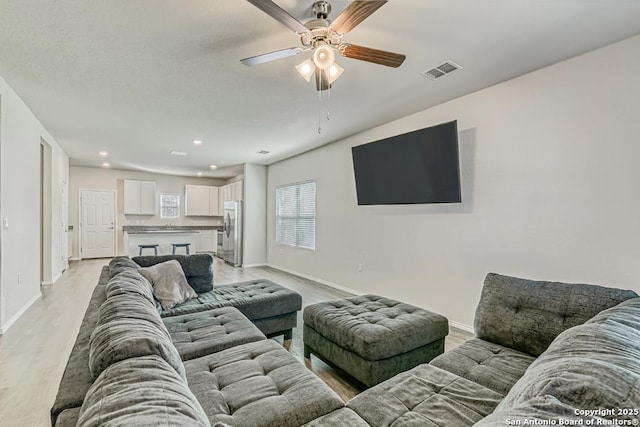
(97, 224)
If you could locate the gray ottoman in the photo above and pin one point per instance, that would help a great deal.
(373, 338)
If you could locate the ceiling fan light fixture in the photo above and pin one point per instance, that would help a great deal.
(335, 71)
(324, 56)
(306, 69)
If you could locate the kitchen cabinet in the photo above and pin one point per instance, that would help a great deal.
(202, 200)
(238, 190)
(233, 191)
(207, 240)
(139, 197)
(214, 202)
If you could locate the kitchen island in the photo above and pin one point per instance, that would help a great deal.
(201, 238)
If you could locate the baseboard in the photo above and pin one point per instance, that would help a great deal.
(74, 258)
(254, 265)
(457, 325)
(316, 279)
(56, 277)
(16, 316)
(462, 326)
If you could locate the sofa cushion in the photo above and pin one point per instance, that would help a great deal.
(199, 334)
(491, 365)
(375, 327)
(121, 263)
(425, 396)
(130, 282)
(68, 417)
(198, 268)
(129, 327)
(170, 285)
(527, 315)
(256, 299)
(259, 383)
(144, 391)
(592, 366)
(343, 417)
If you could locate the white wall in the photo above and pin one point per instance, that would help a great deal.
(113, 179)
(20, 136)
(550, 188)
(255, 212)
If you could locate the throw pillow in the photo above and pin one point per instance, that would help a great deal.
(170, 285)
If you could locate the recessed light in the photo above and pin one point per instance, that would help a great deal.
(197, 141)
(178, 153)
(103, 153)
(213, 167)
(105, 165)
(199, 174)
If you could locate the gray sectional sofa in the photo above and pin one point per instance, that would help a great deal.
(518, 324)
(543, 350)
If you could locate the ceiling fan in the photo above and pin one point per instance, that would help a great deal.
(324, 38)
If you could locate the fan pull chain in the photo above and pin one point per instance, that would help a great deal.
(329, 103)
(319, 111)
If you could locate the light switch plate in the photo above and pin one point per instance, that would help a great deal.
(5, 223)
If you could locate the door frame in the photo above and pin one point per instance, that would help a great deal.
(46, 219)
(115, 218)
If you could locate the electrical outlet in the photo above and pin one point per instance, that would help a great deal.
(360, 267)
(281, 251)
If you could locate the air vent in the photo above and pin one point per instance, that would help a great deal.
(263, 152)
(441, 70)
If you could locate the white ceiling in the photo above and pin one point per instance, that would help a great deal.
(140, 78)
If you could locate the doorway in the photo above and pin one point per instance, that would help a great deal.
(1, 229)
(97, 223)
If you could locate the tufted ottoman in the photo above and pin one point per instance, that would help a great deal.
(373, 338)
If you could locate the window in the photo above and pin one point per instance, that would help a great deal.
(296, 215)
(169, 205)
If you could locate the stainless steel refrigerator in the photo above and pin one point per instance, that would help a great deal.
(232, 237)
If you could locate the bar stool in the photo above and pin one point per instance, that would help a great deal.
(180, 245)
(154, 247)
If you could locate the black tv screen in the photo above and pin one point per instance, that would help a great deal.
(413, 168)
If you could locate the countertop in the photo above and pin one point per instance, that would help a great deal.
(164, 229)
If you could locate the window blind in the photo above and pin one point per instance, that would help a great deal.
(296, 214)
(169, 206)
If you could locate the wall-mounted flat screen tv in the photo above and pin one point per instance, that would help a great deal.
(414, 168)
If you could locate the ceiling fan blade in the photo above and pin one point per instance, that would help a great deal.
(382, 57)
(354, 14)
(322, 80)
(280, 15)
(271, 56)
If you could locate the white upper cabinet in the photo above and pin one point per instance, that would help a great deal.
(147, 197)
(233, 191)
(205, 200)
(197, 200)
(238, 190)
(139, 197)
(214, 201)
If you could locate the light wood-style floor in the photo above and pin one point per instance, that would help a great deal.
(34, 352)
